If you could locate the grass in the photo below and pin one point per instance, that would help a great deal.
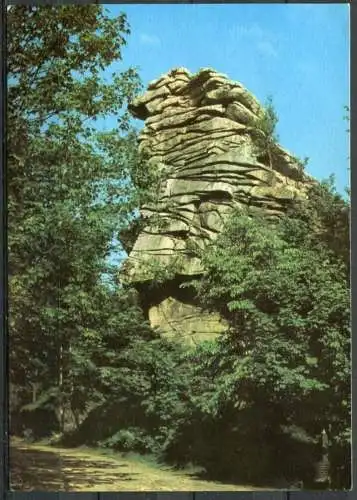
(41, 467)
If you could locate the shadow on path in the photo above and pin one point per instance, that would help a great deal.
(36, 467)
(50, 471)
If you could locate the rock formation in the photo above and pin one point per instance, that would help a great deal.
(198, 134)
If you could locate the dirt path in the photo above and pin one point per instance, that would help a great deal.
(36, 467)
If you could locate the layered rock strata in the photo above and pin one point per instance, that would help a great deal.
(198, 134)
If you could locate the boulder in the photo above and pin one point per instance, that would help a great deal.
(198, 132)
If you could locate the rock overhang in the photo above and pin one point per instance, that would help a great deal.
(198, 132)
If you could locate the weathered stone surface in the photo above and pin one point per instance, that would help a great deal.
(198, 134)
(182, 321)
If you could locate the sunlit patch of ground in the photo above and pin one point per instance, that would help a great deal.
(37, 467)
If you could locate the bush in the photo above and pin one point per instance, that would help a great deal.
(285, 358)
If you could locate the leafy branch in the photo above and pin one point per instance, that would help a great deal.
(264, 130)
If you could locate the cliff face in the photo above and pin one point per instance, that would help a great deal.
(198, 134)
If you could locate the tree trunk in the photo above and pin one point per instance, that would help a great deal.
(60, 383)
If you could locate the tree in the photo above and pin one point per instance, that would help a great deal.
(285, 359)
(322, 220)
(69, 186)
(138, 378)
(264, 129)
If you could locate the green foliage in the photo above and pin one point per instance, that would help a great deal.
(321, 221)
(288, 310)
(80, 347)
(267, 123)
(286, 354)
(142, 386)
(69, 193)
(131, 438)
(302, 163)
(159, 273)
(264, 129)
(147, 176)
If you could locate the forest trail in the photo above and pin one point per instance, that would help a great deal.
(38, 467)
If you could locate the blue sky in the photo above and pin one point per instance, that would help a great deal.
(298, 53)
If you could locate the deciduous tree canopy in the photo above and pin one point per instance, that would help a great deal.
(81, 350)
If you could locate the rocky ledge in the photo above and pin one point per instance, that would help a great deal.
(198, 135)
